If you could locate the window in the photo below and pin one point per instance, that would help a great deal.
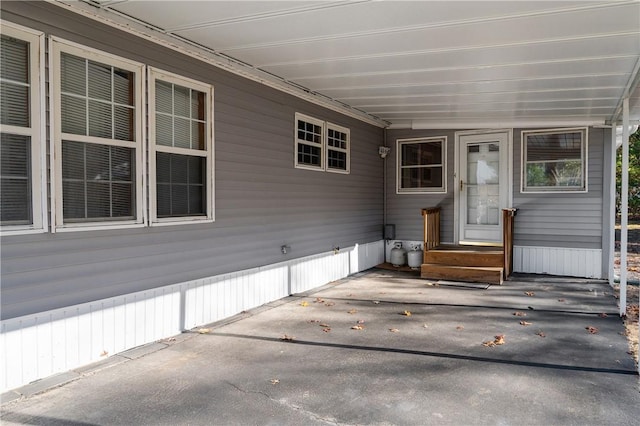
(98, 139)
(554, 160)
(337, 149)
(181, 148)
(321, 146)
(21, 159)
(421, 165)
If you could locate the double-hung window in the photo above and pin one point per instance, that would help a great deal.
(309, 143)
(421, 165)
(554, 160)
(180, 148)
(21, 161)
(321, 146)
(337, 149)
(98, 138)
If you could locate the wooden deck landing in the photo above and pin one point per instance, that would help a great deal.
(464, 263)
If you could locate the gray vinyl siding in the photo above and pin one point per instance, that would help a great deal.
(261, 201)
(405, 210)
(568, 219)
(571, 220)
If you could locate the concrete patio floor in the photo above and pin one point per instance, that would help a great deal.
(350, 353)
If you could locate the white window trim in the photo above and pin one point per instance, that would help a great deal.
(554, 189)
(322, 124)
(324, 145)
(157, 74)
(57, 47)
(331, 126)
(439, 190)
(36, 131)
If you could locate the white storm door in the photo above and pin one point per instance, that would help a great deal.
(483, 186)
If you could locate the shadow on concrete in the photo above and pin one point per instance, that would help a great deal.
(432, 354)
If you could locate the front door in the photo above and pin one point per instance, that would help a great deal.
(483, 186)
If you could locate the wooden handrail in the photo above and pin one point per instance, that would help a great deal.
(508, 221)
(431, 217)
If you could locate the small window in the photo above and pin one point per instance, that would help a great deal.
(554, 160)
(21, 158)
(337, 149)
(421, 165)
(321, 146)
(309, 143)
(181, 149)
(98, 142)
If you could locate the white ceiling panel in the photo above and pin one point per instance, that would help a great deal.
(581, 95)
(480, 74)
(420, 61)
(171, 15)
(531, 29)
(528, 52)
(546, 84)
(351, 18)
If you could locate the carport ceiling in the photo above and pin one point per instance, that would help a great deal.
(424, 64)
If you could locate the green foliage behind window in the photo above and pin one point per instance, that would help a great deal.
(634, 176)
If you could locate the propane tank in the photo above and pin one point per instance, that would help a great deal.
(398, 255)
(414, 257)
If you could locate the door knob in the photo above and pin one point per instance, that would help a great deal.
(461, 184)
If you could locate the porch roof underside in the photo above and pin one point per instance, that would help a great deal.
(417, 64)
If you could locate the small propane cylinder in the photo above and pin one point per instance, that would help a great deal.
(414, 257)
(398, 255)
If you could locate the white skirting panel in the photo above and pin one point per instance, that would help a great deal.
(572, 262)
(36, 346)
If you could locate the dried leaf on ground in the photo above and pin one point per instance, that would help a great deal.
(520, 314)
(357, 327)
(561, 300)
(324, 325)
(326, 330)
(274, 381)
(104, 353)
(592, 330)
(393, 330)
(460, 327)
(329, 304)
(360, 321)
(288, 338)
(204, 330)
(304, 303)
(525, 323)
(529, 293)
(352, 311)
(318, 300)
(314, 321)
(406, 313)
(425, 326)
(376, 302)
(603, 315)
(498, 340)
(541, 333)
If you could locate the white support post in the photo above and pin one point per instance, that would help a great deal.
(612, 207)
(624, 207)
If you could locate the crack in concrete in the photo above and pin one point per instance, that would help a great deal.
(311, 415)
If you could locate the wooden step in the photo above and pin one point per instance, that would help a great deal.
(465, 257)
(476, 274)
